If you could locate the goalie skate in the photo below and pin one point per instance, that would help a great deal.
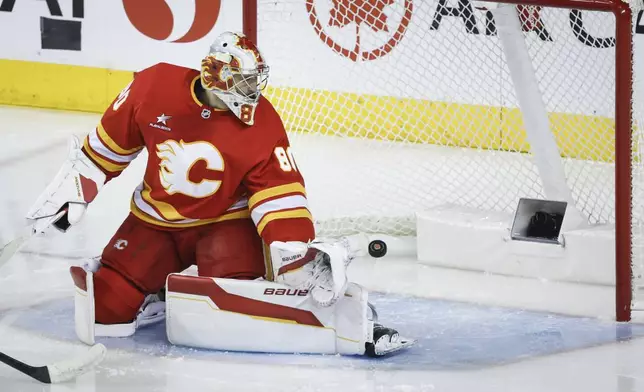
(386, 341)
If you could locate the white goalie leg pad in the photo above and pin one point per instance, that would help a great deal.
(352, 324)
(84, 314)
(152, 311)
(261, 316)
(115, 330)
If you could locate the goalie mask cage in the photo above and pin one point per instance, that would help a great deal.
(399, 106)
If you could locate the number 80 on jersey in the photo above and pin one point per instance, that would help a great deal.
(285, 159)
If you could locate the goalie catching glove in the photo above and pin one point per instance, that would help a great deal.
(64, 201)
(319, 266)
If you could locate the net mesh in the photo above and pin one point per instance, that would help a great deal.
(394, 107)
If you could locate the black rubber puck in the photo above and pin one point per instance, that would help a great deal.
(377, 248)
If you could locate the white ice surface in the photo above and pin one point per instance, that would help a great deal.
(32, 148)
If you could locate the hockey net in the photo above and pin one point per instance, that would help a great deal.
(399, 106)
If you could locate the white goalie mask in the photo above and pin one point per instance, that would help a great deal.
(234, 70)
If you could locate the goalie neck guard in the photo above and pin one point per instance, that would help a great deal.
(235, 71)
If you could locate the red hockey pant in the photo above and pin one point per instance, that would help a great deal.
(138, 259)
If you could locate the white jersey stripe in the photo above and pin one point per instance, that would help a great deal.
(241, 203)
(100, 148)
(283, 203)
(145, 207)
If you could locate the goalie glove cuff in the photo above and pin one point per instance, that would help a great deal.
(319, 266)
(292, 263)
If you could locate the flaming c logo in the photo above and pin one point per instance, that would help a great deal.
(154, 18)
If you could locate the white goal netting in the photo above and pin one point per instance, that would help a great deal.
(399, 106)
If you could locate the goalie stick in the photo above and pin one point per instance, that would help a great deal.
(60, 371)
(11, 248)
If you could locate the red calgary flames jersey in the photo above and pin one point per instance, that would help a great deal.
(204, 165)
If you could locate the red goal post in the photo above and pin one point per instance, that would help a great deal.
(623, 118)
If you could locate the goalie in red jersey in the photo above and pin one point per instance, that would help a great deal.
(221, 191)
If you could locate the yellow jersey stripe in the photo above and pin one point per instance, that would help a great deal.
(105, 164)
(268, 262)
(167, 211)
(290, 214)
(109, 142)
(275, 191)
